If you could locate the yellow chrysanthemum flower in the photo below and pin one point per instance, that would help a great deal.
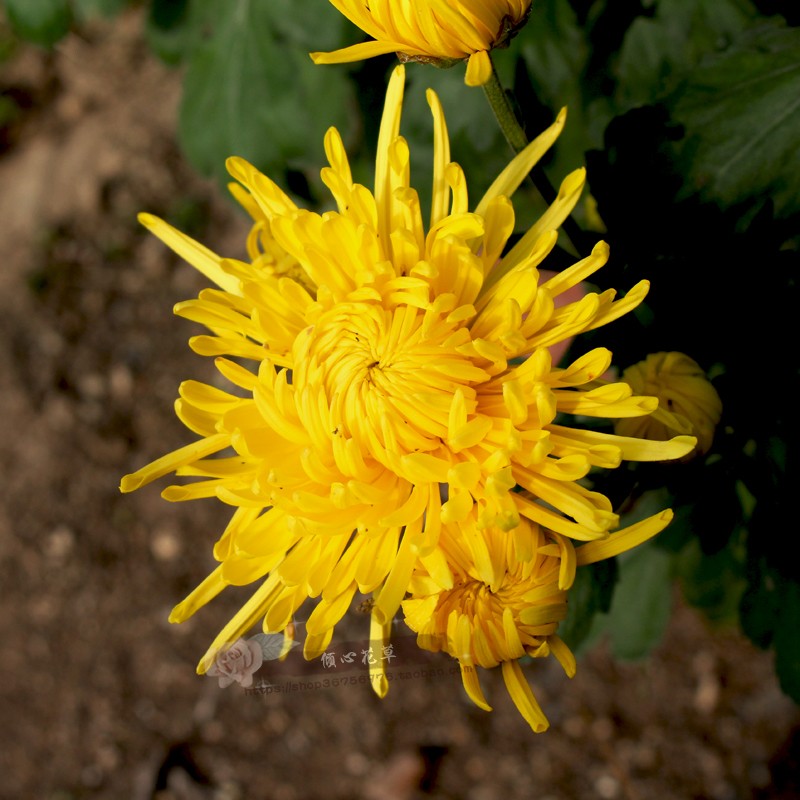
(403, 382)
(505, 599)
(688, 402)
(432, 31)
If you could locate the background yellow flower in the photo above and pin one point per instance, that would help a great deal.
(688, 402)
(505, 600)
(432, 30)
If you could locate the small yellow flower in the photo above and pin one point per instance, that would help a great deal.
(401, 382)
(688, 402)
(432, 31)
(504, 598)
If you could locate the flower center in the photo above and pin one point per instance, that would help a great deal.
(384, 377)
(479, 612)
(485, 624)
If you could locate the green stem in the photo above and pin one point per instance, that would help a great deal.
(504, 112)
(518, 141)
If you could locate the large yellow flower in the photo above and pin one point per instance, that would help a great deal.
(432, 30)
(503, 599)
(402, 382)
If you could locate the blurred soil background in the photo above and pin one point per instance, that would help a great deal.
(98, 693)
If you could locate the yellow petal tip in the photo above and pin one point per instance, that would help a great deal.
(479, 69)
(130, 483)
(239, 168)
(380, 686)
(602, 248)
(148, 220)
(205, 662)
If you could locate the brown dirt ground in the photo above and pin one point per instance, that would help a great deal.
(98, 695)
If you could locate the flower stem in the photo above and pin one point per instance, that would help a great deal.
(515, 136)
(504, 112)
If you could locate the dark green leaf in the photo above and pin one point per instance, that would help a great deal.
(589, 596)
(42, 22)
(642, 602)
(249, 92)
(168, 29)
(659, 52)
(102, 8)
(9, 111)
(713, 583)
(760, 605)
(769, 613)
(741, 114)
(555, 51)
(787, 641)
(324, 29)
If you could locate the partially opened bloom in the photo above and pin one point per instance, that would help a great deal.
(432, 31)
(505, 598)
(688, 401)
(400, 382)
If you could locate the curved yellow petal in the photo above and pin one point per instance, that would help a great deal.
(479, 69)
(177, 458)
(241, 622)
(624, 539)
(523, 697)
(196, 254)
(472, 686)
(356, 52)
(508, 181)
(564, 655)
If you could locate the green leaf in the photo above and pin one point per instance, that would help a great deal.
(658, 52)
(324, 29)
(250, 92)
(769, 613)
(787, 641)
(43, 22)
(760, 605)
(713, 583)
(741, 113)
(589, 597)
(642, 602)
(556, 51)
(168, 29)
(9, 112)
(86, 9)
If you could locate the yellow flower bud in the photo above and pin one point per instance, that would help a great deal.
(432, 31)
(688, 403)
